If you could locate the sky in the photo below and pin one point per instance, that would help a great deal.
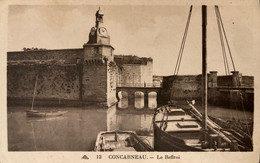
(146, 31)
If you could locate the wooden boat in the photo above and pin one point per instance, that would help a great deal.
(41, 113)
(182, 129)
(120, 141)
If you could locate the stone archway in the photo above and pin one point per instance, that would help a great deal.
(123, 99)
(152, 100)
(139, 100)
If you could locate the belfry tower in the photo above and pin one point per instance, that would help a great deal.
(99, 34)
(99, 69)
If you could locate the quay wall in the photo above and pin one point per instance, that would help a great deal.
(180, 87)
(248, 81)
(188, 87)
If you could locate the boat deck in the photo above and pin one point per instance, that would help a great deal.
(180, 125)
(120, 141)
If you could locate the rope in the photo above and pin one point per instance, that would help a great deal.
(222, 44)
(217, 9)
(176, 70)
(237, 78)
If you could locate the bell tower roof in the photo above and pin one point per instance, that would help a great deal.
(99, 34)
(99, 18)
(99, 12)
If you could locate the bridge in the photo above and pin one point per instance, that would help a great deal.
(131, 91)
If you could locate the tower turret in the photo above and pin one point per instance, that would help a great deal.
(99, 18)
(99, 69)
(99, 34)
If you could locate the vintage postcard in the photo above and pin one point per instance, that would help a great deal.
(163, 81)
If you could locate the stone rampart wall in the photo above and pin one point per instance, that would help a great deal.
(54, 82)
(65, 55)
(248, 81)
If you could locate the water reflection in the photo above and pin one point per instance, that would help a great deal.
(123, 102)
(78, 128)
(129, 120)
(152, 100)
(75, 132)
(139, 101)
(40, 119)
(227, 113)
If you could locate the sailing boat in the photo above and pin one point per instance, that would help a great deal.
(41, 113)
(186, 129)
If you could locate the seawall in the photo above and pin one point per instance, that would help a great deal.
(222, 90)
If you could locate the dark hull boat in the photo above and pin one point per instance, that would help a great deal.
(38, 113)
(120, 141)
(179, 129)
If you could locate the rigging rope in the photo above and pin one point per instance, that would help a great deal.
(237, 77)
(217, 9)
(222, 44)
(176, 70)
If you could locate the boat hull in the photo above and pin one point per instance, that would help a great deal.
(37, 113)
(179, 129)
(120, 141)
(166, 142)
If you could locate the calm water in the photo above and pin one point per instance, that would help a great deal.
(78, 128)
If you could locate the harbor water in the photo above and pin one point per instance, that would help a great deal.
(77, 129)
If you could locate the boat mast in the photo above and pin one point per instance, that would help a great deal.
(34, 91)
(204, 65)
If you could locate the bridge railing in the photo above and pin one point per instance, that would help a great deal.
(139, 85)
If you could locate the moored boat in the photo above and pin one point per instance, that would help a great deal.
(40, 113)
(120, 141)
(181, 129)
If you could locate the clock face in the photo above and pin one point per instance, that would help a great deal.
(103, 31)
(92, 31)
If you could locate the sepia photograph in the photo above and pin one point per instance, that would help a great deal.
(131, 78)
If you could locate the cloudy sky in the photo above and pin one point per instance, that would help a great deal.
(150, 31)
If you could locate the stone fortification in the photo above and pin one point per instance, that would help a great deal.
(134, 71)
(84, 75)
(61, 55)
(222, 90)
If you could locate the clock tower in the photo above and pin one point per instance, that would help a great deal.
(99, 69)
(99, 34)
